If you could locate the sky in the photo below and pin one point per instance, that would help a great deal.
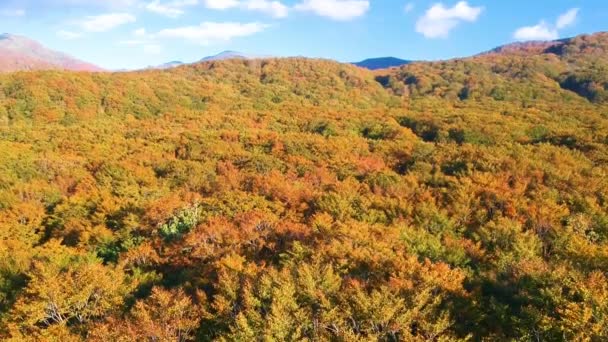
(130, 34)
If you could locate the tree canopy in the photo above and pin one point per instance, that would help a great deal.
(297, 199)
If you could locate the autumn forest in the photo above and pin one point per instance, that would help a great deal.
(306, 200)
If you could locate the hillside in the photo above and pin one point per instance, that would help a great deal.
(222, 56)
(578, 65)
(19, 53)
(298, 199)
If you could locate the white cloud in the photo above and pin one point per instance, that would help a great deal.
(158, 8)
(439, 20)
(68, 35)
(210, 32)
(171, 9)
(409, 7)
(545, 31)
(273, 8)
(12, 12)
(542, 31)
(221, 4)
(113, 5)
(106, 3)
(335, 9)
(106, 22)
(567, 19)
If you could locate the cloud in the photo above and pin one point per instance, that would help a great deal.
(102, 3)
(567, 19)
(114, 5)
(340, 10)
(111, 3)
(106, 22)
(545, 31)
(439, 20)
(542, 31)
(171, 9)
(273, 8)
(270, 7)
(12, 12)
(68, 35)
(221, 4)
(210, 32)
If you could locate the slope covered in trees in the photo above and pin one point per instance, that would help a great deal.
(295, 199)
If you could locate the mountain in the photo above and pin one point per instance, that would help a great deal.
(584, 46)
(228, 55)
(382, 63)
(225, 55)
(577, 65)
(169, 65)
(524, 48)
(306, 199)
(19, 53)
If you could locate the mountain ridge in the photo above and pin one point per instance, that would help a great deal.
(19, 53)
(542, 46)
(228, 54)
(224, 55)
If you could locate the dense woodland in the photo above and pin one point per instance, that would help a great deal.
(307, 200)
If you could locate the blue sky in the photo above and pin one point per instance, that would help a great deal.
(119, 34)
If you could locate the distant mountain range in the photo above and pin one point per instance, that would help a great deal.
(18, 53)
(168, 65)
(229, 55)
(382, 63)
(371, 64)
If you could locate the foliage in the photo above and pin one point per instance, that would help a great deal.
(295, 199)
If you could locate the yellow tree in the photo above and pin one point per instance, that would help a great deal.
(166, 316)
(66, 288)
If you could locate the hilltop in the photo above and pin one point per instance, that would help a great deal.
(578, 65)
(382, 63)
(225, 55)
(18, 53)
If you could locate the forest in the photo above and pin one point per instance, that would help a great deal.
(306, 200)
